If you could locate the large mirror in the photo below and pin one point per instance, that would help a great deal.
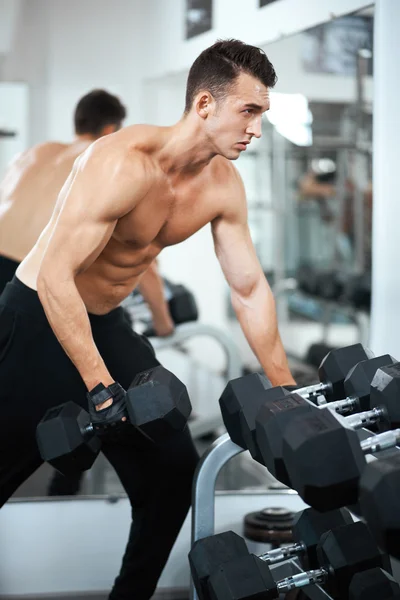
(308, 184)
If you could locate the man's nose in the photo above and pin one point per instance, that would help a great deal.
(254, 127)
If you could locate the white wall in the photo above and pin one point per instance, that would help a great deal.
(286, 56)
(13, 117)
(385, 314)
(93, 43)
(8, 15)
(27, 62)
(241, 19)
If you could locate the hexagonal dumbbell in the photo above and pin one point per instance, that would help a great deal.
(373, 584)
(341, 553)
(157, 404)
(66, 439)
(275, 414)
(325, 459)
(243, 398)
(380, 500)
(307, 528)
(249, 389)
(270, 424)
(211, 551)
(333, 371)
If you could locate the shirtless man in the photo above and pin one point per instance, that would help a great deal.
(28, 194)
(128, 196)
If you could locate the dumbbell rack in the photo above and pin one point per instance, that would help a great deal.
(203, 507)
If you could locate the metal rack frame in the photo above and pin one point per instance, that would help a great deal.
(203, 507)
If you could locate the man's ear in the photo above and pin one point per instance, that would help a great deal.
(204, 104)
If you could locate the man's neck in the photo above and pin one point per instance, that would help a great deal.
(187, 149)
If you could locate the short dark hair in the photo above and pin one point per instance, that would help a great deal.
(218, 66)
(96, 110)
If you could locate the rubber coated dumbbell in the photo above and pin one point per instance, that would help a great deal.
(308, 527)
(255, 402)
(333, 371)
(325, 460)
(157, 404)
(181, 303)
(374, 584)
(380, 500)
(265, 439)
(248, 391)
(341, 553)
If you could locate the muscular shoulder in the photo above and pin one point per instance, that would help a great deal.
(117, 152)
(112, 161)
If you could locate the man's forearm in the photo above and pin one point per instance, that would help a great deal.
(69, 320)
(152, 289)
(257, 317)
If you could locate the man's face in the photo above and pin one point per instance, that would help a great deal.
(236, 118)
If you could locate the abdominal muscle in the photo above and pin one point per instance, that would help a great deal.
(107, 282)
(105, 285)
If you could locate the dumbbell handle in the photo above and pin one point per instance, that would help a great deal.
(300, 580)
(316, 389)
(281, 554)
(342, 406)
(88, 429)
(366, 418)
(382, 441)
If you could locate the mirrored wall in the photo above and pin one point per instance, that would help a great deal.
(309, 184)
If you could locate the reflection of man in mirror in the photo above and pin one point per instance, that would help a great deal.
(34, 178)
(128, 196)
(320, 184)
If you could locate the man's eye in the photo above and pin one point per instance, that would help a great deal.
(248, 111)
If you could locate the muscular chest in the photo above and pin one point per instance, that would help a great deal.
(166, 216)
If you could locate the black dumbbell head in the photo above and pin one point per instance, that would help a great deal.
(359, 379)
(244, 578)
(310, 524)
(182, 305)
(247, 418)
(374, 584)
(323, 459)
(346, 550)
(158, 403)
(335, 366)
(239, 392)
(271, 423)
(62, 442)
(385, 390)
(208, 553)
(380, 501)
